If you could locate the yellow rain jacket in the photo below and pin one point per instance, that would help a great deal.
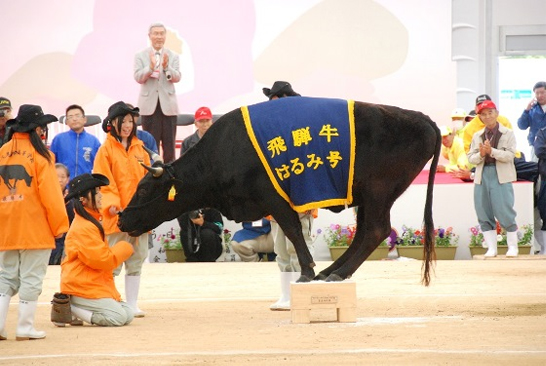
(32, 210)
(124, 171)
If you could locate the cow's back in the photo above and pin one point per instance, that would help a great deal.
(392, 146)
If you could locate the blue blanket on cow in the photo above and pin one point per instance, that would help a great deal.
(307, 146)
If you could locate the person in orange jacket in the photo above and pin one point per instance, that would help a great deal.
(32, 214)
(119, 159)
(87, 270)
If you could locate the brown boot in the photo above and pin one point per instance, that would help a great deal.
(60, 311)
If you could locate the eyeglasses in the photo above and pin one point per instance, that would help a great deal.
(74, 116)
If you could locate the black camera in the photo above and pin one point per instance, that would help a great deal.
(195, 214)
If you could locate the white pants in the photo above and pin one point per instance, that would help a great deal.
(106, 312)
(248, 250)
(23, 272)
(287, 259)
(133, 265)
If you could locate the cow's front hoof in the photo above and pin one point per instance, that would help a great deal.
(334, 278)
(320, 277)
(303, 279)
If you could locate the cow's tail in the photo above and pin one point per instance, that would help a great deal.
(428, 250)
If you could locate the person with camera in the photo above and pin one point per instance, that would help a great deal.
(5, 115)
(200, 230)
(200, 234)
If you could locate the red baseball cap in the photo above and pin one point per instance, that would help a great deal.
(203, 113)
(485, 105)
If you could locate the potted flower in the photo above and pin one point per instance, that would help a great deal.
(173, 247)
(226, 236)
(339, 237)
(478, 247)
(411, 242)
(229, 254)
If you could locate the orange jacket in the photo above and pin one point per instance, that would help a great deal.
(124, 171)
(87, 269)
(32, 210)
(313, 212)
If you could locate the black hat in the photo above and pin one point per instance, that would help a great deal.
(482, 98)
(280, 88)
(117, 109)
(470, 116)
(85, 182)
(5, 103)
(29, 117)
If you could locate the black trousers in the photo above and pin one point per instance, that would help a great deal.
(163, 129)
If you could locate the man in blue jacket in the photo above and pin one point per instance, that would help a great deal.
(534, 116)
(75, 148)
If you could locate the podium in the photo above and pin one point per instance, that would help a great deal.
(308, 296)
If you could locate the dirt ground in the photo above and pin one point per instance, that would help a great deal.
(489, 312)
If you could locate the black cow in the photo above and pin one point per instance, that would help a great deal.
(15, 172)
(224, 171)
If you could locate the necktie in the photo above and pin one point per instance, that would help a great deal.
(157, 60)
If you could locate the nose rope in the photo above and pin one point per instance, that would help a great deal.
(142, 204)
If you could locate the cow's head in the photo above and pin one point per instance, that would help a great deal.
(156, 200)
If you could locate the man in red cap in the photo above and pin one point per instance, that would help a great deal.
(476, 124)
(492, 150)
(203, 121)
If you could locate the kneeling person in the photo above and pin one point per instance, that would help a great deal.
(87, 270)
(200, 232)
(254, 238)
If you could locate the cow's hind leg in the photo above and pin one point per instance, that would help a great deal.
(369, 234)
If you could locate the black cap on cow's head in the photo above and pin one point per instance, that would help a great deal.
(279, 90)
(29, 117)
(118, 109)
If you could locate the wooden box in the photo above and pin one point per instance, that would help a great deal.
(340, 296)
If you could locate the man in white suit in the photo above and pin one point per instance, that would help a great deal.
(156, 70)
